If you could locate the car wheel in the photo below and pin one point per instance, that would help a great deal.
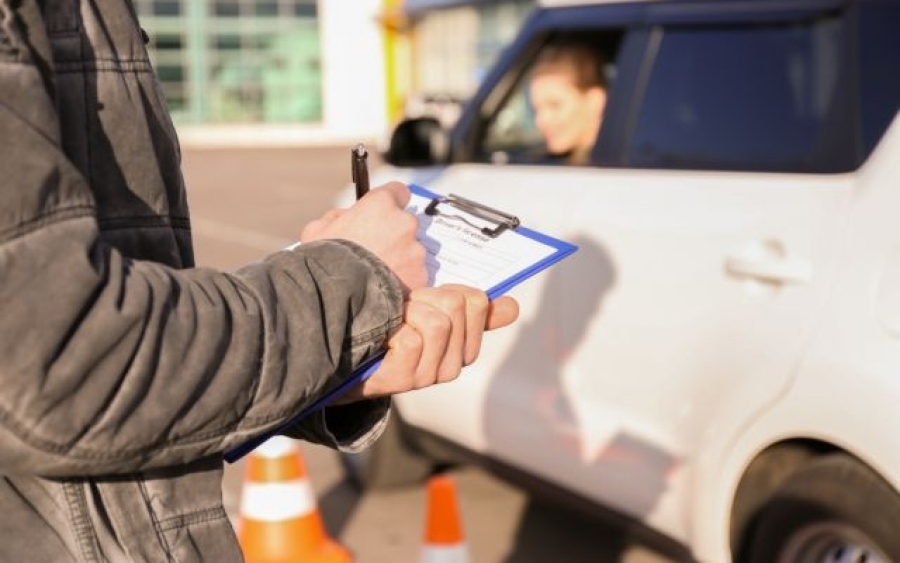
(392, 461)
(833, 510)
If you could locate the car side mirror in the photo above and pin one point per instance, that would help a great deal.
(418, 141)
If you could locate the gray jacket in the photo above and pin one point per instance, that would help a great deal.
(125, 372)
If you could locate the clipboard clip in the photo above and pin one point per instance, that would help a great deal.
(502, 220)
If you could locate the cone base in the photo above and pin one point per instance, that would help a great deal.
(281, 542)
(445, 554)
(329, 552)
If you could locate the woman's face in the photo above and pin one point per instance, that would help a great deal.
(567, 117)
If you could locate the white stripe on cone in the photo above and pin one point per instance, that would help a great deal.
(272, 502)
(275, 447)
(445, 554)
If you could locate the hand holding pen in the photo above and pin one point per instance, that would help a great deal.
(379, 223)
(359, 170)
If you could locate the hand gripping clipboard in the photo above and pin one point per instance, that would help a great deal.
(467, 242)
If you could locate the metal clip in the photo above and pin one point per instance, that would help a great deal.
(502, 220)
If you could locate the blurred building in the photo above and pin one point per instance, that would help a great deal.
(441, 49)
(457, 41)
(236, 71)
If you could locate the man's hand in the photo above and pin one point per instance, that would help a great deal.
(441, 333)
(442, 327)
(380, 223)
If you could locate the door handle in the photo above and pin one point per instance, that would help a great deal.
(772, 270)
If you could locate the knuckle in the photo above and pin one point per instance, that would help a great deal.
(453, 302)
(479, 299)
(471, 295)
(436, 323)
(407, 341)
(381, 197)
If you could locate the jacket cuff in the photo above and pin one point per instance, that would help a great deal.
(350, 428)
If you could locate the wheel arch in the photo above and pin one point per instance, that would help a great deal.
(763, 475)
(796, 486)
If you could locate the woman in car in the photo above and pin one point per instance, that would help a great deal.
(567, 89)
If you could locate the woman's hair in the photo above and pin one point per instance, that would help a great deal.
(583, 63)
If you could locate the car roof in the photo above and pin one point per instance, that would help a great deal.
(759, 3)
(690, 11)
(559, 3)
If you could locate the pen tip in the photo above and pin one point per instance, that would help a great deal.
(360, 149)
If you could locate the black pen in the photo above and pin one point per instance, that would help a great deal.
(360, 169)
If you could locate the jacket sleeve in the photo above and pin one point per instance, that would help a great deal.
(111, 365)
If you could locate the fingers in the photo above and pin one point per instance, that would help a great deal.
(389, 196)
(440, 316)
(476, 307)
(430, 346)
(396, 372)
(482, 314)
(398, 369)
(398, 191)
(442, 332)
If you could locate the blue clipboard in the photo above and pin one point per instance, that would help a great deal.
(492, 223)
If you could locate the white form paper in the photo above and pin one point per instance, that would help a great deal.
(458, 252)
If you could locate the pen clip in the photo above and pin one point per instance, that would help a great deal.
(502, 220)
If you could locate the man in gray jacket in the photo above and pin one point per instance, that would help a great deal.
(125, 371)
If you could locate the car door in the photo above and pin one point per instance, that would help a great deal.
(706, 252)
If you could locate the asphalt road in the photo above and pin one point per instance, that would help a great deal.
(248, 202)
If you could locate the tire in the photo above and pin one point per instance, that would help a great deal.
(392, 461)
(832, 510)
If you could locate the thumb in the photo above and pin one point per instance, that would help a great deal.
(502, 312)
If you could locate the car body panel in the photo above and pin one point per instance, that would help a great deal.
(707, 316)
(846, 388)
(647, 304)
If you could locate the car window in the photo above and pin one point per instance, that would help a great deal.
(879, 36)
(512, 133)
(746, 97)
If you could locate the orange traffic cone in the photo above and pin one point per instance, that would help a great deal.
(280, 521)
(444, 541)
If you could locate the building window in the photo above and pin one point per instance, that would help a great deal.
(236, 61)
(166, 7)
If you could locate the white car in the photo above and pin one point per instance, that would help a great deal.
(720, 361)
